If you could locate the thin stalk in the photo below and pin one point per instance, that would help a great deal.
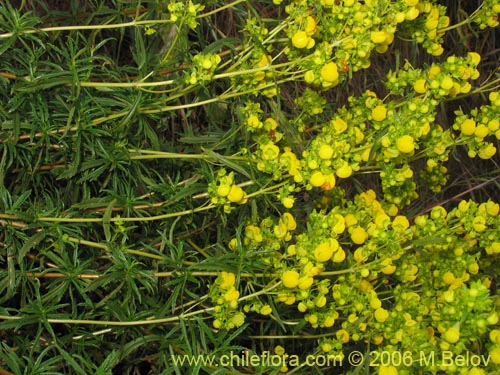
(125, 219)
(86, 27)
(149, 321)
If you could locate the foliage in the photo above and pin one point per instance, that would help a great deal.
(312, 185)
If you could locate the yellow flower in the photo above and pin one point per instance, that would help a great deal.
(475, 57)
(270, 151)
(311, 26)
(412, 13)
(411, 3)
(324, 251)
(231, 295)
(381, 315)
(345, 171)
(468, 127)
(305, 282)
(405, 144)
(300, 39)
(387, 370)
(329, 73)
(420, 86)
(309, 76)
(339, 125)
(289, 161)
(342, 335)
(290, 279)
(479, 224)
(481, 131)
(280, 231)
(317, 179)
(388, 268)
(488, 152)
(325, 152)
(379, 113)
(359, 235)
(236, 194)
(288, 202)
(452, 335)
(289, 221)
(238, 319)
(375, 303)
(266, 310)
(401, 222)
(476, 371)
(492, 208)
(495, 355)
(228, 279)
(223, 190)
(339, 256)
(378, 36)
(254, 122)
(253, 233)
(448, 278)
(339, 225)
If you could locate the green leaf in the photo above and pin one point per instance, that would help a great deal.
(106, 220)
(31, 243)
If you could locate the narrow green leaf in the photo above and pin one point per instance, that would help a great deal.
(31, 243)
(106, 220)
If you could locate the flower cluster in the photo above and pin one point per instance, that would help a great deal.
(224, 295)
(481, 124)
(487, 15)
(224, 191)
(185, 12)
(449, 78)
(382, 264)
(203, 69)
(428, 28)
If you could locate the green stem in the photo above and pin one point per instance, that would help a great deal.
(218, 9)
(86, 27)
(125, 219)
(149, 321)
